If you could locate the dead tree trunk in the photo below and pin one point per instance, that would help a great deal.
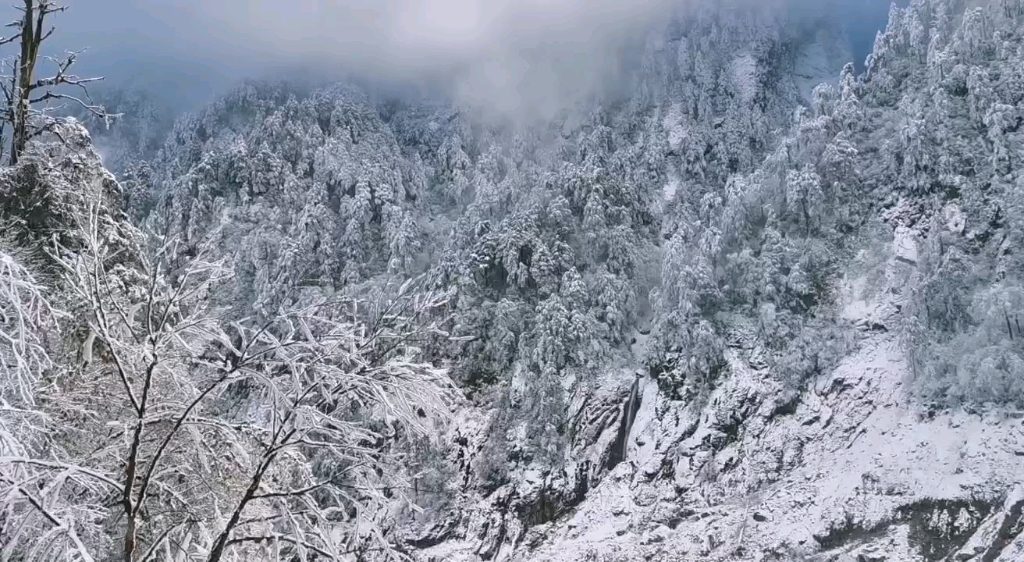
(31, 38)
(22, 91)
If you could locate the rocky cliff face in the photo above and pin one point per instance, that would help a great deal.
(846, 471)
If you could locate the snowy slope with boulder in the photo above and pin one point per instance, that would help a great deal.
(848, 470)
(891, 451)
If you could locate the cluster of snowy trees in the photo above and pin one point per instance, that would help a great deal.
(538, 238)
(934, 125)
(948, 82)
(551, 263)
(763, 252)
(305, 189)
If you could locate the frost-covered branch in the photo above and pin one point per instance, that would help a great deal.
(25, 318)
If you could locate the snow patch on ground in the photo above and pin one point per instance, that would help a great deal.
(745, 76)
(819, 61)
(674, 125)
(671, 187)
(905, 244)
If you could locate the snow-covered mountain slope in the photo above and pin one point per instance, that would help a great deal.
(818, 58)
(847, 470)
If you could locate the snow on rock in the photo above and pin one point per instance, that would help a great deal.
(994, 540)
(518, 515)
(849, 468)
(846, 471)
(745, 76)
(905, 245)
(643, 437)
(955, 219)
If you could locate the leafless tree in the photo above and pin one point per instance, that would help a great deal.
(23, 92)
(195, 439)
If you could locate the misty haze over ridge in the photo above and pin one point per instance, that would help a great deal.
(512, 56)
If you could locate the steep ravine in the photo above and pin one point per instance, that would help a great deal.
(847, 471)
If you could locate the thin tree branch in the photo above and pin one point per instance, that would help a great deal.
(62, 466)
(154, 461)
(281, 538)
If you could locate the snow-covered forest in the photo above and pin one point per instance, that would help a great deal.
(742, 293)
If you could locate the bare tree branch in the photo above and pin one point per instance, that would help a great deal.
(63, 466)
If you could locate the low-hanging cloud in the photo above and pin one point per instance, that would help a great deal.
(511, 55)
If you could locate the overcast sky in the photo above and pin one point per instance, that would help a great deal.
(195, 47)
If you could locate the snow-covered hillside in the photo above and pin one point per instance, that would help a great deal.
(848, 470)
(744, 304)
